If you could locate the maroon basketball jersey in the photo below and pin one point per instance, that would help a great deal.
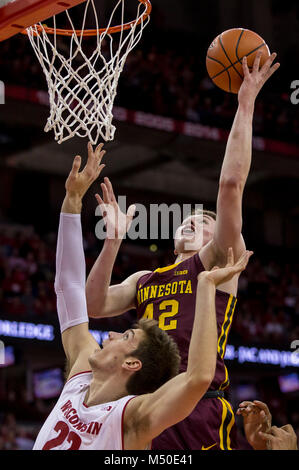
(168, 295)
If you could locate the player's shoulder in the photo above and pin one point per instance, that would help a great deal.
(140, 274)
(78, 380)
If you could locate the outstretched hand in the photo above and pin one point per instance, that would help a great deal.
(77, 182)
(220, 275)
(254, 81)
(117, 222)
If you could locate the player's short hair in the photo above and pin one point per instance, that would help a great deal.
(204, 212)
(160, 358)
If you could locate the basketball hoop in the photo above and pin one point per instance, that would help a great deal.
(82, 86)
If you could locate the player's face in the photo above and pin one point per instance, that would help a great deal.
(194, 233)
(115, 349)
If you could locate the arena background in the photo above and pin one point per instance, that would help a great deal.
(155, 158)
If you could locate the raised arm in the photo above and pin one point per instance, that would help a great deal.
(148, 415)
(104, 300)
(237, 161)
(70, 276)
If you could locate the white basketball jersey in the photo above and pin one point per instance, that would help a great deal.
(72, 425)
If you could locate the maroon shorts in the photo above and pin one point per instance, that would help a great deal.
(211, 426)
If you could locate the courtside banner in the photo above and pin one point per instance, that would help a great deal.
(162, 123)
(238, 354)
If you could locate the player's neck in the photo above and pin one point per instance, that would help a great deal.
(183, 256)
(104, 391)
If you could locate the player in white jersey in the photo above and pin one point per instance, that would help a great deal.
(75, 425)
(128, 392)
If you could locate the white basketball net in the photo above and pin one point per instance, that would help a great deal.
(82, 87)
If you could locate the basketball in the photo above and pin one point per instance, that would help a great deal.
(225, 56)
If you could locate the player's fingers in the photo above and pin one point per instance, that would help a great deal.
(265, 68)
(98, 149)
(102, 154)
(110, 189)
(89, 148)
(247, 409)
(245, 67)
(262, 406)
(90, 159)
(257, 61)
(265, 436)
(105, 193)
(90, 151)
(246, 258)
(131, 211)
(259, 428)
(273, 70)
(230, 257)
(288, 428)
(76, 165)
(264, 412)
(243, 261)
(99, 199)
(101, 204)
(100, 169)
(99, 154)
(94, 157)
(263, 415)
(245, 403)
(99, 157)
(242, 411)
(274, 430)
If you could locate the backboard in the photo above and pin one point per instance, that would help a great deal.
(17, 15)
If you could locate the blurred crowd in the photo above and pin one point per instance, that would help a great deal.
(15, 436)
(268, 310)
(268, 307)
(22, 419)
(169, 82)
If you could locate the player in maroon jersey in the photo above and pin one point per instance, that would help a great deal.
(167, 294)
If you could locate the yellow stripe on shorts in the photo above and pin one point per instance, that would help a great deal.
(227, 423)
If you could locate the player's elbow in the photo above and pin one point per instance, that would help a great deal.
(95, 305)
(232, 183)
(198, 385)
(204, 385)
(58, 284)
(62, 284)
(94, 309)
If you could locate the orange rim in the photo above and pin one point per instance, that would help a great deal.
(94, 32)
